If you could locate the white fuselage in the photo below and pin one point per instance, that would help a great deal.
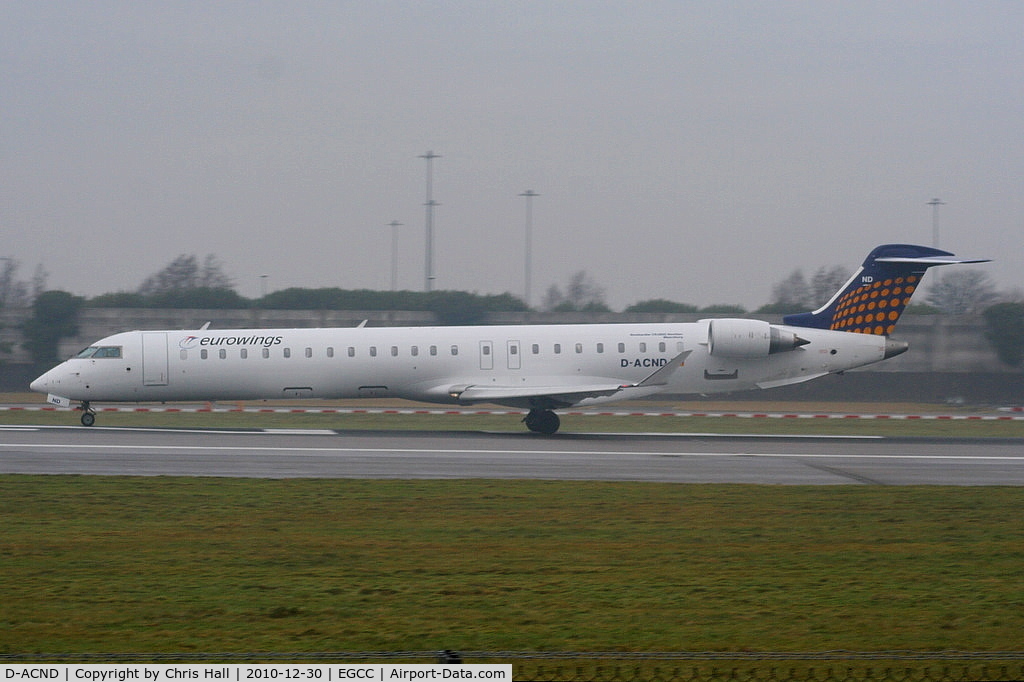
(521, 363)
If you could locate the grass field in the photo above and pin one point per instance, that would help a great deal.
(177, 564)
(94, 564)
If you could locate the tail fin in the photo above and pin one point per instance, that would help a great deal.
(874, 298)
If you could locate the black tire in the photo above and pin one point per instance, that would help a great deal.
(542, 421)
(88, 419)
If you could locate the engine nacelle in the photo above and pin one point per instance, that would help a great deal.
(736, 338)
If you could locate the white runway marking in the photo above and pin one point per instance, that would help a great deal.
(326, 451)
(449, 411)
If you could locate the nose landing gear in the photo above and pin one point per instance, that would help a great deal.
(88, 415)
(542, 421)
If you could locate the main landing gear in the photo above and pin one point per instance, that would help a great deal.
(88, 416)
(542, 421)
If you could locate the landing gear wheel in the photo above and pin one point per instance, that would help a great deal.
(542, 421)
(88, 416)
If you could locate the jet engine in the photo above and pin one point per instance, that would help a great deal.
(735, 338)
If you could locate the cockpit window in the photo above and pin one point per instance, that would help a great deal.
(100, 352)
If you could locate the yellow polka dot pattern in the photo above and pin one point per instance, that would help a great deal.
(873, 307)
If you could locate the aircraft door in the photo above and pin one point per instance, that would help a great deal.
(486, 355)
(514, 360)
(154, 359)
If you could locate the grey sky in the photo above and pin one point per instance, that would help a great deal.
(696, 151)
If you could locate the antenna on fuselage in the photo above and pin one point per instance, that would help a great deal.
(204, 327)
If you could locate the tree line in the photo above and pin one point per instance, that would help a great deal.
(188, 282)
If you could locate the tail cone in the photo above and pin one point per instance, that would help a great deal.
(894, 348)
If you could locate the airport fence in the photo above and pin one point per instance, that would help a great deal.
(618, 666)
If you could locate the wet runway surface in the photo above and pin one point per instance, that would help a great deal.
(447, 455)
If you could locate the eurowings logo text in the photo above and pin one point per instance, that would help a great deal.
(190, 342)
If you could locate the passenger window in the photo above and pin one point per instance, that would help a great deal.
(243, 353)
(455, 350)
(287, 352)
(600, 348)
(373, 351)
(622, 348)
(266, 353)
(351, 351)
(415, 350)
(309, 352)
(579, 347)
(223, 353)
(643, 347)
(558, 348)
(433, 350)
(535, 348)
(204, 354)
(394, 351)
(661, 347)
(330, 351)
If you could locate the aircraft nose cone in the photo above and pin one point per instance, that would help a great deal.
(40, 384)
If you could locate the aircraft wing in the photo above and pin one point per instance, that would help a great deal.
(561, 396)
(789, 380)
(565, 395)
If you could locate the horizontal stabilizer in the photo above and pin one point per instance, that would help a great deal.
(933, 260)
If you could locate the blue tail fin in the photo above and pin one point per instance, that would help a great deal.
(874, 298)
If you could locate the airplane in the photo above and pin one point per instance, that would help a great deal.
(539, 368)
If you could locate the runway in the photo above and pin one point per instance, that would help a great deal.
(679, 458)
